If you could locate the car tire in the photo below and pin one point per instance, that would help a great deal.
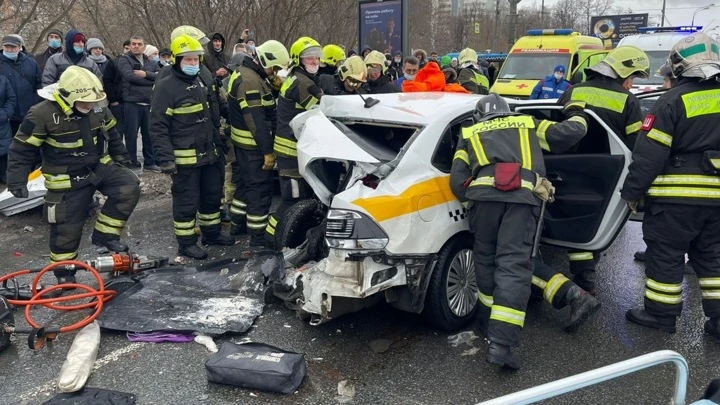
(454, 267)
(301, 217)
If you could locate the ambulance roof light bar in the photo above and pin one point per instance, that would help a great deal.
(559, 31)
(682, 28)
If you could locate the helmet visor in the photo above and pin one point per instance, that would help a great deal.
(312, 52)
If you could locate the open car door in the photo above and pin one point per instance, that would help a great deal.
(587, 59)
(587, 213)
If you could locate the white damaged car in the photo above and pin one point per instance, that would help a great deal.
(394, 231)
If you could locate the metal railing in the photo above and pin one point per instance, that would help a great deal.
(592, 377)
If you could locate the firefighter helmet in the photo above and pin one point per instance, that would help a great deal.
(185, 45)
(467, 55)
(627, 61)
(304, 47)
(78, 84)
(332, 55)
(491, 106)
(376, 58)
(354, 68)
(693, 52)
(191, 31)
(272, 54)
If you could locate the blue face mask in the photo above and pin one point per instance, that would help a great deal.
(156, 58)
(191, 70)
(11, 55)
(54, 43)
(78, 49)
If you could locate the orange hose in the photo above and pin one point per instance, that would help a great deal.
(102, 296)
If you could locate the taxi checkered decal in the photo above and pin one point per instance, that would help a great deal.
(458, 214)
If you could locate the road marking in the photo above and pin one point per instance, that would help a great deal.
(50, 386)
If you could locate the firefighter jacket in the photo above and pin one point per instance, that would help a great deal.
(181, 125)
(218, 105)
(473, 80)
(616, 106)
(71, 146)
(677, 155)
(299, 93)
(508, 139)
(252, 108)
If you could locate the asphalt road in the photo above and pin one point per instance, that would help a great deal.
(420, 367)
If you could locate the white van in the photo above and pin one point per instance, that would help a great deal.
(657, 43)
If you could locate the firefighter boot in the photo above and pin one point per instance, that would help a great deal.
(219, 240)
(193, 252)
(641, 317)
(257, 240)
(113, 245)
(238, 230)
(586, 281)
(712, 326)
(582, 305)
(502, 356)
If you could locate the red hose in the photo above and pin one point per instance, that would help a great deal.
(102, 296)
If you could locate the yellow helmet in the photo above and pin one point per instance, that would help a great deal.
(353, 67)
(376, 58)
(628, 60)
(185, 45)
(304, 47)
(467, 55)
(332, 55)
(78, 84)
(191, 31)
(272, 53)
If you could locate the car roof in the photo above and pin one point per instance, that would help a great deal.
(658, 41)
(410, 108)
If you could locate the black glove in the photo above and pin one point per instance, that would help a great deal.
(168, 168)
(19, 191)
(574, 108)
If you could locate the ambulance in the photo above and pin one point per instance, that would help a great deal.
(657, 43)
(535, 56)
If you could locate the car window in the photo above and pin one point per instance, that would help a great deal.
(594, 142)
(445, 150)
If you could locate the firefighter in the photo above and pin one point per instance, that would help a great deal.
(70, 130)
(189, 148)
(379, 82)
(252, 120)
(470, 76)
(332, 57)
(676, 168)
(498, 167)
(300, 92)
(351, 76)
(607, 94)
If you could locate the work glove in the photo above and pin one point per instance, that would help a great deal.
(269, 163)
(19, 191)
(575, 109)
(168, 168)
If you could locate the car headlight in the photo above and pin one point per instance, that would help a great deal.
(347, 229)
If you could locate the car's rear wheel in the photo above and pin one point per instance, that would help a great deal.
(292, 228)
(451, 299)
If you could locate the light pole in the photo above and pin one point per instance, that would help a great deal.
(701, 9)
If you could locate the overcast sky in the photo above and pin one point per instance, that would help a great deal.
(677, 12)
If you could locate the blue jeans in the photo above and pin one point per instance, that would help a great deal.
(138, 117)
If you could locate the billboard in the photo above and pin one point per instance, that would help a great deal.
(381, 25)
(617, 27)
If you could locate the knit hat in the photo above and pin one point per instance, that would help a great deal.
(11, 40)
(94, 43)
(56, 32)
(149, 50)
(165, 51)
(559, 68)
(22, 41)
(79, 38)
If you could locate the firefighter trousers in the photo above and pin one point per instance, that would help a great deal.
(504, 234)
(66, 211)
(292, 190)
(253, 193)
(670, 231)
(552, 285)
(196, 192)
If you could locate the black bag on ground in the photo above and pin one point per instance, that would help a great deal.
(257, 366)
(92, 396)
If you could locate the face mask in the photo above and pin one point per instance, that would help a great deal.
(54, 43)
(10, 55)
(191, 70)
(156, 58)
(398, 60)
(251, 48)
(408, 76)
(78, 49)
(558, 76)
(312, 69)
